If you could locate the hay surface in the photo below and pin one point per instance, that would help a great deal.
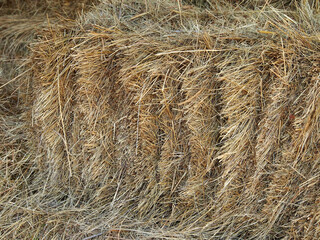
(163, 120)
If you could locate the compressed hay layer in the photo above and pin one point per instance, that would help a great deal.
(152, 120)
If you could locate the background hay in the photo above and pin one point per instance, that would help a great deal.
(162, 120)
(67, 8)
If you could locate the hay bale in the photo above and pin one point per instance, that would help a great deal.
(152, 119)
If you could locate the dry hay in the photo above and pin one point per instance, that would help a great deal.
(161, 120)
(18, 28)
(66, 8)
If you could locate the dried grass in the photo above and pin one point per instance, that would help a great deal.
(162, 120)
(66, 8)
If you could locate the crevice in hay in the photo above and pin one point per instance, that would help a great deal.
(93, 96)
(200, 87)
(237, 156)
(275, 91)
(286, 175)
(141, 82)
(53, 101)
(305, 157)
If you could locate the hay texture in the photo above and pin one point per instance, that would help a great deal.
(167, 120)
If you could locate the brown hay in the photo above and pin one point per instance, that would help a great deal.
(161, 120)
(66, 8)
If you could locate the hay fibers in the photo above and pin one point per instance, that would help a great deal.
(159, 119)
